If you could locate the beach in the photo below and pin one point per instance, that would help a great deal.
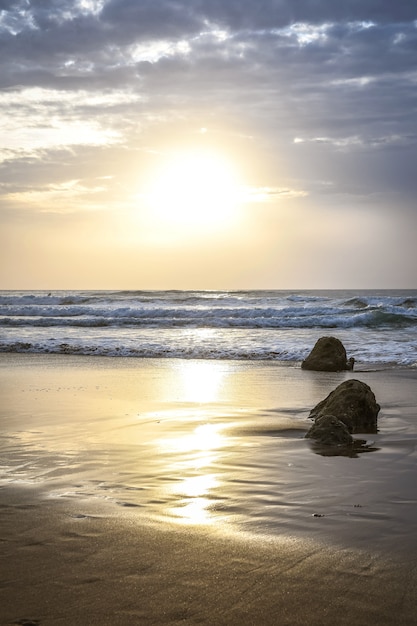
(168, 491)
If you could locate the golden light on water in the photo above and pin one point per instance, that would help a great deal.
(195, 499)
(196, 442)
(200, 444)
(200, 381)
(192, 469)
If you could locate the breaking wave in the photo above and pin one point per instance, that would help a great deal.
(243, 324)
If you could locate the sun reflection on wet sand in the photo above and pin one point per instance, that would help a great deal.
(200, 381)
(203, 440)
(194, 492)
(191, 455)
(190, 470)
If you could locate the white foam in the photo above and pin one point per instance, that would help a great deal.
(376, 328)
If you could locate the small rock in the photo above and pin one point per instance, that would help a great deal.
(328, 355)
(330, 431)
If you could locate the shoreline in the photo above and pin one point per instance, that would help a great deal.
(161, 492)
(359, 367)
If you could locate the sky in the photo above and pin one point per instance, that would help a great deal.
(205, 144)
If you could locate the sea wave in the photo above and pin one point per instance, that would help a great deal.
(205, 317)
(241, 324)
(293, 353)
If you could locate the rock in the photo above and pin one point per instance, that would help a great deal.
(330, 431)
(353, 403)
(328, 355)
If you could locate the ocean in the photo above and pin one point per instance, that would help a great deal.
(377, 327)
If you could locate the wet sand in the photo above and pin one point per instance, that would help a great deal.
(171, 492)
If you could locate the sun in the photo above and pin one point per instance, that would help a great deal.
(194, 191)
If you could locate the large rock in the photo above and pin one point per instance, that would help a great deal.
(328, 355)
(354, 404)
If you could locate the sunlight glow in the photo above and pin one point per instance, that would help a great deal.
(194, 191)
(199, 444)
(194, 491)
(200, 381)
(195, 455)
(194, 510)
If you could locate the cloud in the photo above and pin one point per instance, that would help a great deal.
(148, 20)
(314, 99)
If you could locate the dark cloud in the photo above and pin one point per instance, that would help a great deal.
(148, 19)
(13, 6)
(278, 13)
(52, 34)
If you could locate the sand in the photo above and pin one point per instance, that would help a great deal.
(171, 492)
